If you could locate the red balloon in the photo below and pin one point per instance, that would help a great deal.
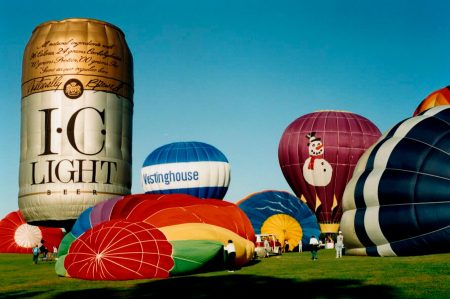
(17, 236)
(99, 254)
(318, 153)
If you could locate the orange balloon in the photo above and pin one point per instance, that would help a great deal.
(436, 98)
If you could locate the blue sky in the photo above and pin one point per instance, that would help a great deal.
(235, 74)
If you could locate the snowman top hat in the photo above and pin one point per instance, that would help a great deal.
(312, 137)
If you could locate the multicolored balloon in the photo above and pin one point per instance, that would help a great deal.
(282, 214)
(436, 98)
(17, 236)
(193, 168)
(317, 154)
(191, 230)
(398, 200)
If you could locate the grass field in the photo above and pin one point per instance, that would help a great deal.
(278, 276)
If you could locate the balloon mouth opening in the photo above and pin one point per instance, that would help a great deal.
(329, 227)
(65, 224)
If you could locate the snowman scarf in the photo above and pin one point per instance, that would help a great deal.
(311, 161)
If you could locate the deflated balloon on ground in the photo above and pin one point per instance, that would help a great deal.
(17, 236)
(179, 234)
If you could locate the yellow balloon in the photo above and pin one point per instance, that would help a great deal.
(284, 227)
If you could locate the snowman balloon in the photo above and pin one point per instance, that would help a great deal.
(316, 170)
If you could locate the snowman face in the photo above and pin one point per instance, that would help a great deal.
(316, 148)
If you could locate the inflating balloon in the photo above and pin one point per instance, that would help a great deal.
(282, 214)
(17, 236)
(398, 200)
(76, 125)
(436, 98)
(193, 168)
(317, 154)
(99, 254)
(194, 229)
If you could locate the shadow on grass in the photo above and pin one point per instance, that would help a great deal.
(234, 285)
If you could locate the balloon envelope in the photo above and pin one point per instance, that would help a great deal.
(196, 229)
(17, 236)
(76, 120)
(317, 154)
(282, 214)
(436, 98)
(398, 200)
(193, 168)
(99, 254)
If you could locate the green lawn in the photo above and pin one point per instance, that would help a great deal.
(278, 276)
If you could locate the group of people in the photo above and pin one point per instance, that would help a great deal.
(339, 246)
(313, 243)
(41, 248)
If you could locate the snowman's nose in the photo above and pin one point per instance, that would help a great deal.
(319, 146)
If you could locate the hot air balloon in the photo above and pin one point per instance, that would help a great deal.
(436, 98)
(193, 168)
(76, 120)
(317, 154)
(144, 248)
(17, 236)
(282, 214)
(195, 230)
(398, 200)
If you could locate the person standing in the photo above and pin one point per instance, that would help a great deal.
(286, 245)
(55, 253)
(267, 247)
(300, 246)
(314, 244)
(44, 250)
(339, 245)
(231, 256)
(36, 254)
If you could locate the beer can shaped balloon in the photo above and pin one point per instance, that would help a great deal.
(76, 120)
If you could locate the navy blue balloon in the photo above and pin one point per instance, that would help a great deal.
(398, 200)
(280, 213)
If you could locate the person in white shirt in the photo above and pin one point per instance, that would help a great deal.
(339, 245)
(314, 244)
(55, 253)
(267, 248)
(231, 256)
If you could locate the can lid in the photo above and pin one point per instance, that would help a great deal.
(79, 20)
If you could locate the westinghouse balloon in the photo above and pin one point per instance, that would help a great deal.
(76, 122)
(188, 167)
